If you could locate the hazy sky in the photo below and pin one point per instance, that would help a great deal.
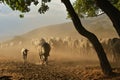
(11, 24)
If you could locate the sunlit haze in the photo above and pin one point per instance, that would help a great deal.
(11, 24)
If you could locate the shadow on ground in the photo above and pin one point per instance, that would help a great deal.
(5, 78)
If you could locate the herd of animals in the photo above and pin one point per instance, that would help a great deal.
(78, 46)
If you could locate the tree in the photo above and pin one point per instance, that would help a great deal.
(91, 8)
(106, 68)
(112, 12)
(24, 5)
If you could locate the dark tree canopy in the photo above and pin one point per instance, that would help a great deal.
(24, 5)
(88, 8)
(84, 8)
(21, 5)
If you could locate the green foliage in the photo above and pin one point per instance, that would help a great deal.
(24, 5)
(20, 5)
(43, 8)
(116, 3)
(88, 8)
(21, 15)
(85, 8)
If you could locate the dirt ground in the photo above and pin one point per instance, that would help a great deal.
(62, 66)
(16, 70)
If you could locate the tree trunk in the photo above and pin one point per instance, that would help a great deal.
(112, 12)
(106, 68)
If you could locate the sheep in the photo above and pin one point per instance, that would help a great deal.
(11, 44)
(35, 42)
(67, 41)
(111, 47)
(24, 52)
(115, 47)
(20, 42)
(1, 45)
